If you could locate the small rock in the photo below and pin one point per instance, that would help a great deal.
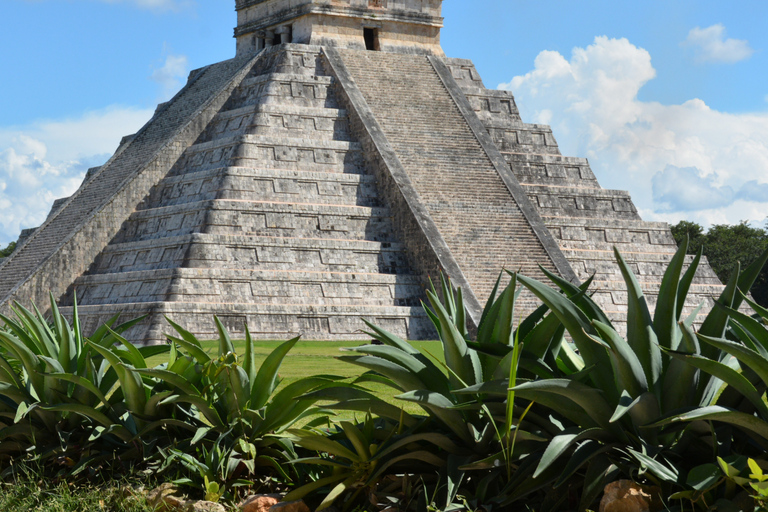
(290, 506)
(204, 506)
(166, 498)
(259, 503)
(627, 496)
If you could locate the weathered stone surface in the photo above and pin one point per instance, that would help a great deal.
(259, 503)
(204, 506)
(627, 496)
(290, 506)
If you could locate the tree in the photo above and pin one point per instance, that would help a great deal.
(4, 253)
(724, 246)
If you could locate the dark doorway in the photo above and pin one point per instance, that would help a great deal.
(371, 36)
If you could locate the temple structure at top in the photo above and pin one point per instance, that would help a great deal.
(322, 176)
(402, 26)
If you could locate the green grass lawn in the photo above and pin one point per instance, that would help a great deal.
(309, 358)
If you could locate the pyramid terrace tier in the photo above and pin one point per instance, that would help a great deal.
(258, 218)
(267, 253)
(581, 202)
(249, 286)
(280, 121)
(273, 153)
(284, 186)
(265, 321)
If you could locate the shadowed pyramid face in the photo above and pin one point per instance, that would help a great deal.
(397, 26)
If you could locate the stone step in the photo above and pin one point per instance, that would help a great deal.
(604, 233)
(253, 252)
(280, 121)
(273, 153)
(250, 184)
(265, 321)
(286, 89)
(260, 218)
(448, 167)
(250, 286)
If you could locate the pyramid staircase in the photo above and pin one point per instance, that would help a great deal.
(269, 218)
(586, 220)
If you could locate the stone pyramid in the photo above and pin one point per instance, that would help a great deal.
(322, 176)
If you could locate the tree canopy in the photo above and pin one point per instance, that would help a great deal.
(725, 246)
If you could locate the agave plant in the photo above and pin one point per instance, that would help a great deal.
(609, 396)
(233, 403)
(468, 396)
(741, 363)
(55, 384)
(359, 456)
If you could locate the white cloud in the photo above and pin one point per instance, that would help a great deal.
(678, 161)
(48, 159)
(711, 45)
(171, 75)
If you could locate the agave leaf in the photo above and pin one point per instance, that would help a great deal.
(91, 413)
(747, 422)
(665, 318)
(304, 490)
(761, 311)
(130, 382)
(640, 333)
(210, 414)
(171, 378)
(424, 456)
(249, 362)
(748, 277)
(319, 443)
(422, 367)
(194, 350)
(755, 328)
(67, 348)
(359, 442)
(594, 480)
(728, 375)
(84, 383)
(588, 399)
(561, 442)
(489, 303)
(390, 339)
(540, 339)
(225, 342)
(42, 336)
(8, 374)
(439, 440)
(441, 407)
(405, 379)
(28, 359)
(717, 319)
(667, 474)
(578, 295)
(266, 379)
(355, 399)
(189, 342)
(681, 379)
(578, 325)
(628, 369)
(685, 283)
(458, 357)
(583, 454)
(744, 354)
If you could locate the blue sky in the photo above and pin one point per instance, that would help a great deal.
(668, 99)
